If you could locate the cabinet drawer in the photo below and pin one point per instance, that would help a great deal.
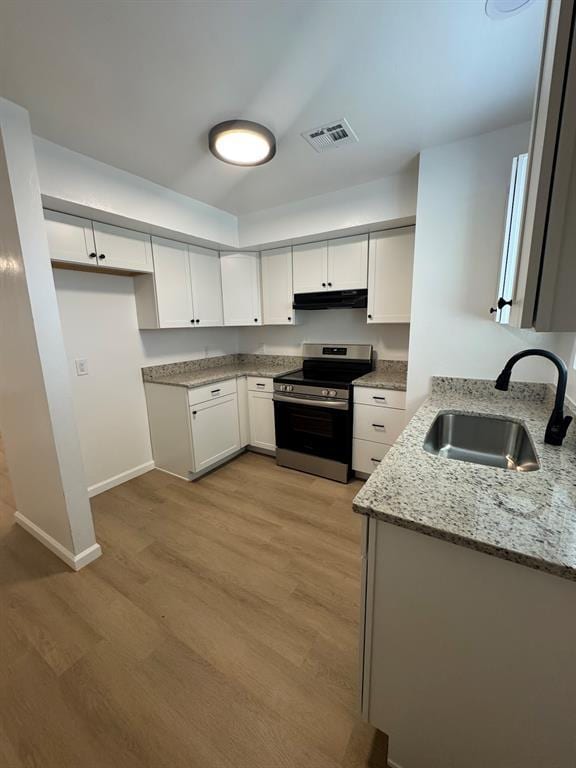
(388, 398)
(367, 455)
(256, 384)
(211, 391)
(380, 425)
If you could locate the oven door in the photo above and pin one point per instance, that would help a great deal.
(315, 427)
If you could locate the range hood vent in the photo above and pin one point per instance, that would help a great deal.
(334, 134)
(357, 299)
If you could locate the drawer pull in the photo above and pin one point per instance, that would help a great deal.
(377, 397)
(214, 391)
(195, 412)
(376, 461)
(259, 384)
(379, 426)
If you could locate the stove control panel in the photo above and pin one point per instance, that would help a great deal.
(286, 388)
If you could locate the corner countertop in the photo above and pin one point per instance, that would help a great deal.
(196, 373)
(526, 517)
(388, 374)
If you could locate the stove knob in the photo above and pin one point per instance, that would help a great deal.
(289, 388)
(332, 393)
(325, 392)
(282, 387)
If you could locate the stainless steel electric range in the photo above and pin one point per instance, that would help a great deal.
(313, 409)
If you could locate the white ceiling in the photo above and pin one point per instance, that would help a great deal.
(138, 83)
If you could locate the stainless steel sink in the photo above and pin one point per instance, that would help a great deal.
(490, 440)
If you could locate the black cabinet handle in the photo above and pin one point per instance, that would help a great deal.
(194, 413)
(369, 317)
(91, 255)
(192, 320)
(197, 319)
(377, 397)
(323, 285)
(258, 384)
(500, 305)
(214, 391)
(255, 319)
(376, 461)
(102, 256)
(380, 426)
(289, 318)
(329, 285)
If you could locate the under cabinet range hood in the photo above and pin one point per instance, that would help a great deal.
(353, 299)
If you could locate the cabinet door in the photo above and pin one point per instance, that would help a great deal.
(277, 291)
(120, 248)
(261, 411)
(215, 431)
(70, 238)
(510, 248)
(172, 279)
(241, 288)
(390, 276)
(348, 263)
(310, 265)
(206, 286)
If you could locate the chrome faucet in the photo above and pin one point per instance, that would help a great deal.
(558, 423)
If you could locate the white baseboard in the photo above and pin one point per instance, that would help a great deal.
(74, 561)
(123, 477)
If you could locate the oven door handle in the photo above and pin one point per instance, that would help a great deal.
(340, 405)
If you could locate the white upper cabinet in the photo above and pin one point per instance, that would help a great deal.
(206, 286)
(333, 265)
(510, 247)
(70, 238)
(124, 249)
(347, 263)
(310, 267)
(277, 290)
(241, 288)
(390, 267)
(172, 280)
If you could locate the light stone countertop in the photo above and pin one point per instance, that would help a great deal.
(209, 370)
(387, 374)
(525, 517)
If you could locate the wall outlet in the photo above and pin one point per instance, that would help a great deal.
(81, 364)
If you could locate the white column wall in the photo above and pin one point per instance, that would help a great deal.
(36, 411)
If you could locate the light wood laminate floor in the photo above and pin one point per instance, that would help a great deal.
(218, 630)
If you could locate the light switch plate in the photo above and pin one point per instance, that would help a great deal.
(81, 364)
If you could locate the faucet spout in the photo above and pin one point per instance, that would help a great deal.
(558, 423)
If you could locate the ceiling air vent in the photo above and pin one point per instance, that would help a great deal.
(335, 134)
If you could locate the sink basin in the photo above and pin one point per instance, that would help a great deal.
(493, 441)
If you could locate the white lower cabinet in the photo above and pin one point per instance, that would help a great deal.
(215, 431)
(379, 418)
(261, 412)
(193, 430)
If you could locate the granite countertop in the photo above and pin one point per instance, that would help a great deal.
(525, 517)
(387, 374)
(196, 373)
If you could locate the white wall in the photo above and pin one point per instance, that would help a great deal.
(74, 178)
(333, 326)
(462, 193)
(99, 323)
(392, 198)
(39, 431)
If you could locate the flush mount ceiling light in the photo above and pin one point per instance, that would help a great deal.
(242, 142)
(501, 9)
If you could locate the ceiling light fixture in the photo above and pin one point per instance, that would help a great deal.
(502, 9)
(242, 142)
